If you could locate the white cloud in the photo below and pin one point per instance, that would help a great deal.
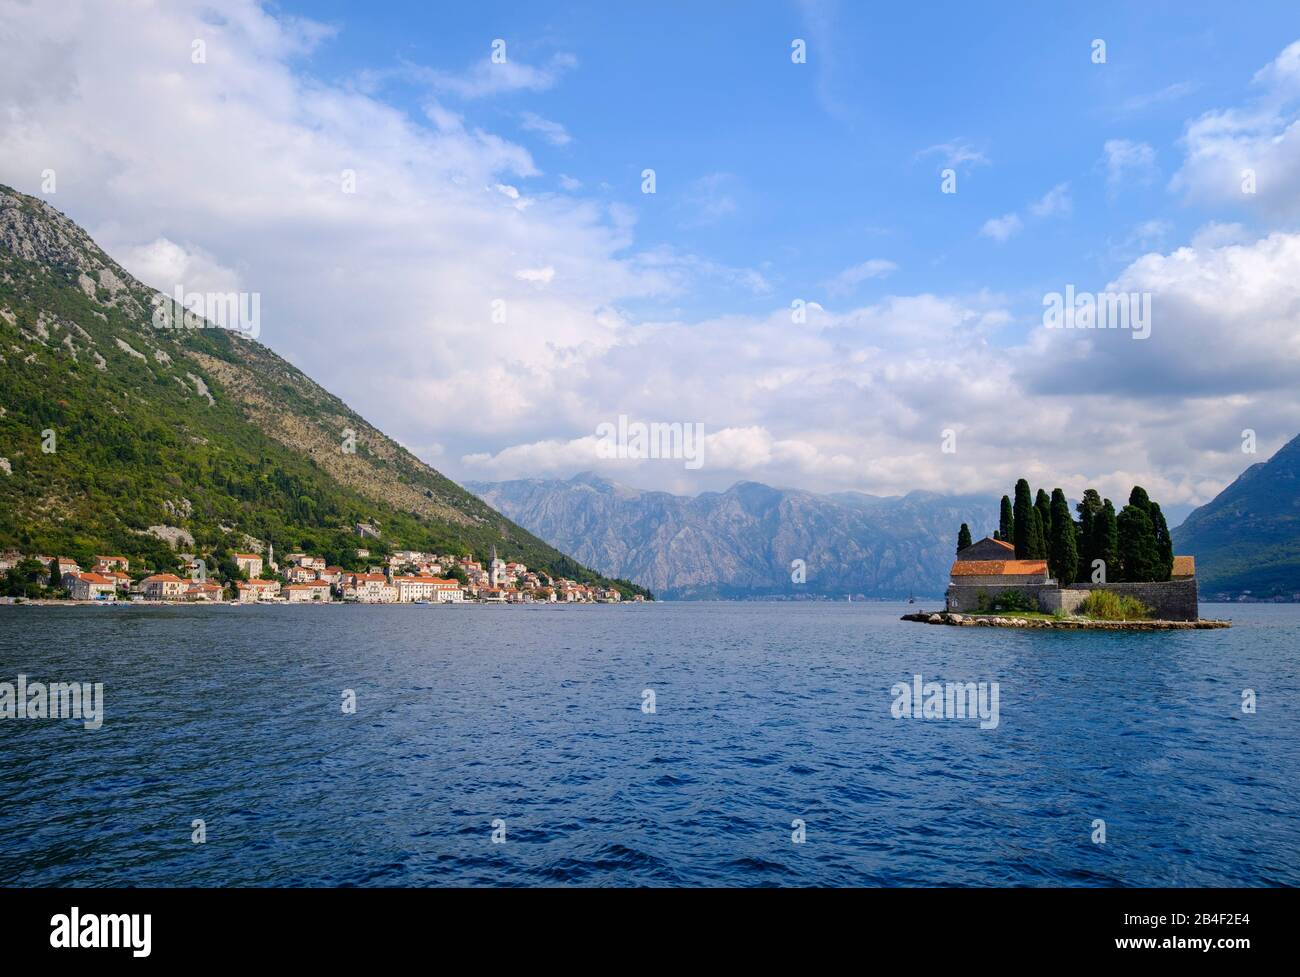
(552, 132)
(1170, 93)
(1055, 203)
(850, 278)
(485, 78)
(1002, 228)
(1262, 137)
(165, 265)
(538, 276)
(955, 154)
(1128, 162)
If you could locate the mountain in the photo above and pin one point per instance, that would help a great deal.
(119, 435)
(742, 542)
(1248, 537)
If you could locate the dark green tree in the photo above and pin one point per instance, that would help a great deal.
(1043, 503)
(1089, 508)
(1062, 549)
(1164, 544)
(1139, 498)
(1006, 522)
(1139, 559)
(963, 537)
(1023, 522)
(1105, 541)
(1037, 535)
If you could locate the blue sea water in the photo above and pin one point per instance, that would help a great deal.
(764, 713)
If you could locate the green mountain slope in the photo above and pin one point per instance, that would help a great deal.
(1248, 537)
(173, 433)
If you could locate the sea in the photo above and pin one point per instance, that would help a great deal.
(663, 744)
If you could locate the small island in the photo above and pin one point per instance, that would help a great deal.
(1043, 569)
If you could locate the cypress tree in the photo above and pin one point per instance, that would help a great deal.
(1044, 506)
(1164, 544)
(1037, 536)
(1138, 557)
(1006, 522)
(1105, 541)
(1089, 509)
(1023, 521)
(963, 537)
(1146, 548)
(1063, 553)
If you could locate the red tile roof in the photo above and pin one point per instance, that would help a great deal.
(998, 568)
(1184, 566)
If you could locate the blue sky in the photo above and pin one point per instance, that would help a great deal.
(801, 171)
(477, 187)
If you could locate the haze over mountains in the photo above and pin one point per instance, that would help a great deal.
(742, 542)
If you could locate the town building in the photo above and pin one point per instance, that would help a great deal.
(368, 588)
(250, 563)
(89, 586)
(298, 593)
(203, 590)
(163, 586)
(251, 591)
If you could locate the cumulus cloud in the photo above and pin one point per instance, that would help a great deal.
(1249, 155)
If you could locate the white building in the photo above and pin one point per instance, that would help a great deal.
(298, 593)
(250, 563)
(254, 590)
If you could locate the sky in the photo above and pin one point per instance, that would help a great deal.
(443, 210)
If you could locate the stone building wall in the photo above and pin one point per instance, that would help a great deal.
(965, 599)
(1170, 600)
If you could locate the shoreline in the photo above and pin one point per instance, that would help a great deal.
(1062, 624)
(46, 602)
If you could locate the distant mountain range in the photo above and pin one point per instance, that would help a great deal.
(743, 542)
(1248, 538)
(119, 434)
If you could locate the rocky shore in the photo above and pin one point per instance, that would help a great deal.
(1060, 624)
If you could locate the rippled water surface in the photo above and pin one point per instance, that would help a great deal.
(765, 713)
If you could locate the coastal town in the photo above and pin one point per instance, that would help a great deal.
(401, 577)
